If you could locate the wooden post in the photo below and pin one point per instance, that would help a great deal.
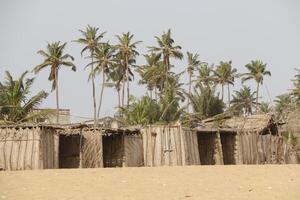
(80, 148)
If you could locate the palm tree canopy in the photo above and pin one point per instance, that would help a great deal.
(205, 76)
(15, 103)
(205, 103)
(104, 59)
(257, 71)
(151, 71)
(166, 47)
(225, 73)
(90, 39)
(243, 101)
(54, 57)
(126, 46)
(193, 62)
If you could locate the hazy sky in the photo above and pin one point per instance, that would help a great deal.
(234, 30)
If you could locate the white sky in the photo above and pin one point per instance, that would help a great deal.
(218, 30)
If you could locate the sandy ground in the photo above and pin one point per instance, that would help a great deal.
(195, 182)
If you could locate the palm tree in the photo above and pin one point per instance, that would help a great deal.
(127, 51)
(55, 58)
(243, 101)
(193, 63)
(283, 105)
(257, 71)
(167, 49)
(104, 61)
(265, 108)
(170, 103)
(225, 74)
(205, 103)
(150, 73)
(296, 82)
(15, 103)
(205, 77)
(91, 40)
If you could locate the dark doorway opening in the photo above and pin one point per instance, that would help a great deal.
(228, 144)
(69, 148)
(206, 145)
(113, 150)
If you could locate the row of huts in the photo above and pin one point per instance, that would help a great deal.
(254, 139)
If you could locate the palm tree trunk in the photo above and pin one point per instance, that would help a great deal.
(155, 91)
(94, 92)
(57, 99)
(123, 92)
(228, 90)
(101, 94)
(257, 90)
(127, 79)
(119, 100)
(150, 91)
(222, 92)
(190, 91)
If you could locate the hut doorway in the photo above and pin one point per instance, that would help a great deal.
(228, 146)
(69, 150)
(206, 146)
(113, 150)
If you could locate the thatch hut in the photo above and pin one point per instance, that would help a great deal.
(52, 146)
(240, 140)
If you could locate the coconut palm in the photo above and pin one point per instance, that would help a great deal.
(170, 102)
(257, 71)
(243, 101)
(296, 82)
(193, 63)
(167, 49)
(91, 40)
(15, 103)
(283, 105)
(104, 61)
(55, 58)
(265, 107)
(126, 49)
(205, 77)
(205, 103)
(150, 73)
(225, 74)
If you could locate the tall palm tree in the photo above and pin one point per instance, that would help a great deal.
(55, 58)
(15, 103)
(149, 72)
(225, 74)
(91, 40)
(257, 71)
(126, 48)
(205, 76)
(167, 49)
(193, 63)
(104, 61)
(243, 101)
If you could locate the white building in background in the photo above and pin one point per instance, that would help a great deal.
(64, 116)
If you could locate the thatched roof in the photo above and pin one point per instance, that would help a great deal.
(77, 128)
(253, 123)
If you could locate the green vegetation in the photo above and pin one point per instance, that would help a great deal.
(167, 98)
(16, 103)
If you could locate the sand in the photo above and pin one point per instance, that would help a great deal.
(194, 182)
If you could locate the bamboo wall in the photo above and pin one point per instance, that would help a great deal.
(254, 148)
(169, 145)
(27, 148)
